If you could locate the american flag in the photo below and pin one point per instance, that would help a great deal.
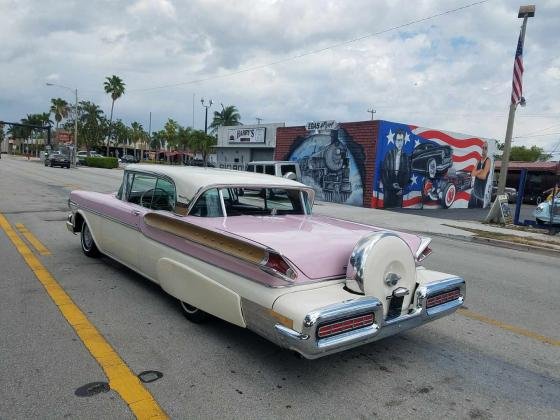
(517, 84)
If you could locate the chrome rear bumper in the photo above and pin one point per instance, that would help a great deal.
(309, 345)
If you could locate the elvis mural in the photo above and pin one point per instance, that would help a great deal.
(425, 168)
(331, 163)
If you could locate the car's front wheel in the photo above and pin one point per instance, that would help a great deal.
(88, 244)
(192, 313)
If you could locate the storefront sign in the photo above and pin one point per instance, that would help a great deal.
(246, 135)
(321, 125)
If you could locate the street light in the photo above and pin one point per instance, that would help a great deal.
(75, 118)
(206, 113)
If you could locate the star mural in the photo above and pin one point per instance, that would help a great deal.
(390, 137)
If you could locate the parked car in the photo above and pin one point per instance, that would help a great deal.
(57, 159)
(129, 159)
(214, 240)
(199, 162)
(82, 154)
(286, 169)
(509, 191)
(546, 213)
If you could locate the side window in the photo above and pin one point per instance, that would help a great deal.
(164, 195)
(288, 168)
(251, 168)
(260, 169)
(208, 205)
(270, 170)
(142, 190)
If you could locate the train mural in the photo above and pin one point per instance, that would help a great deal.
(425, 168)
(332, 164)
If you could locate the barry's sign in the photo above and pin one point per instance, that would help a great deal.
(247, 135)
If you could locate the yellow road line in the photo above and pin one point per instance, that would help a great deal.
(508, 327)
(120, 377)
(32, 239)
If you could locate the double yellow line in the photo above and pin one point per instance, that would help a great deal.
(121, 379)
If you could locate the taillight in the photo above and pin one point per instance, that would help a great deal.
(350, 324)
(277, 264)
(442, 298)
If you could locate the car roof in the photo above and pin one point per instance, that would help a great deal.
(190, 179)
(270, 162)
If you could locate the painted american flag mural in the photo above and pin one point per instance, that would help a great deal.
(419, 167)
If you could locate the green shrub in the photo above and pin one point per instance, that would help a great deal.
(102, 162)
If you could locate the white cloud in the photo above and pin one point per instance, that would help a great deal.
(453, 72)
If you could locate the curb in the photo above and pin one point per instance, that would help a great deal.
(501, 244)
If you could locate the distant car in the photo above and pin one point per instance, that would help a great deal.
(285, 169)
(129, 159)
(82, 154)
(199, 162)
(313, 284)
(57, 159)
(510, 192)
(545, 213)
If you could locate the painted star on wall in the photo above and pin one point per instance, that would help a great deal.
(390, 137)
(406, 138)
(416, 143)
(414, 179)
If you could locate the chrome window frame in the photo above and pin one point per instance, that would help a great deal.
(157, 175)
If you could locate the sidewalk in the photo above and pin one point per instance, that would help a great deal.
(470, 230)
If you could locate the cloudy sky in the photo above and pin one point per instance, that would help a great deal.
(288, 61)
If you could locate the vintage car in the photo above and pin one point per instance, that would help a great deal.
(222, 244)
(431, 160)
(546, 213)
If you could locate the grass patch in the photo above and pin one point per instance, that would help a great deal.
(511, 238)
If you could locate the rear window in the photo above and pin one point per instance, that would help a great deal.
(269, 170)
(262, 201)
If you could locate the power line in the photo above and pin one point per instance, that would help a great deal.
(312, 52)
(537, 135)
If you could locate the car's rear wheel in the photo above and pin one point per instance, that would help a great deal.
(449, 193)
(192, 313)
(88, 243)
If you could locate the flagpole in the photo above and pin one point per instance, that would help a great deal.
(525, 12)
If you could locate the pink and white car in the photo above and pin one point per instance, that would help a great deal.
(245, 247)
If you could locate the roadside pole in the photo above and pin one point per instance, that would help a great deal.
(525, 12)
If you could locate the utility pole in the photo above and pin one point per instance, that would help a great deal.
(525, 12)
(371, 111)
(258, 120)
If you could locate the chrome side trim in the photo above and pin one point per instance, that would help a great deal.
(112, 219)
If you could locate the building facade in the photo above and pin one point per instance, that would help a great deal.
(241, 144)
(384, 164)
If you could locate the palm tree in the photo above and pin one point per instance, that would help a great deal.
(137, 134)
(229, 115)
(91, 124)
(202, 143)
(115, 87)
(59, 108)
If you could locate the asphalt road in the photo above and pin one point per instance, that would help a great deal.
(489, 361)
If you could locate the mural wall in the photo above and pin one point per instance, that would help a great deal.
(332, 163)
(425, 168)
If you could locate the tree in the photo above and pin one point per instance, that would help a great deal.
(226, 117)
(137, 134)
(525, 154)
(59, 108)
(92, 125)
(115, 87)
(203, 143)
(121, 133)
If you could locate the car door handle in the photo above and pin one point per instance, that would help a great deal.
(136, 212)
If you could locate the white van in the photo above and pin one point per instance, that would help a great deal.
(285, 168)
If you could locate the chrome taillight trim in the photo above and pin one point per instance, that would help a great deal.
(420, 255)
